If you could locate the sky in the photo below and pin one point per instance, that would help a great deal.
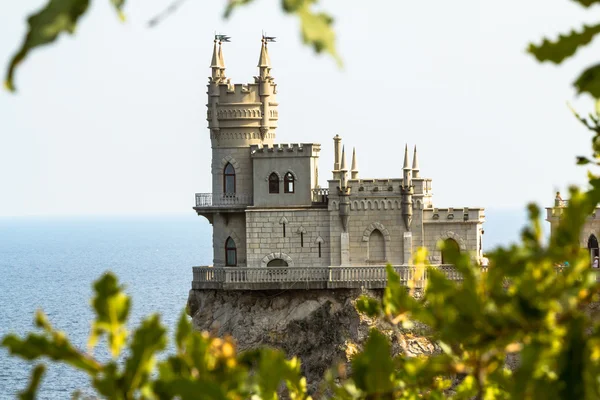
(112, 119)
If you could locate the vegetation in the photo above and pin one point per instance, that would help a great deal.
(520, 308)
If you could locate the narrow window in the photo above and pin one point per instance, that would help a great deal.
(301, 239)
(230, 253)
(283, 230)
(273, 183)
(319, 249)
(229, 179)
(288, 183)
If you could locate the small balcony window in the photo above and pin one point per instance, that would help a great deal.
(229, 179)
(288, 183)
(230, 253)
(273, 183)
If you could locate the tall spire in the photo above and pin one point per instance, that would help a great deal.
(406, 157)
(354, 171)
(214, 65)
(264, 61)
(343, 170)
(215, 57)
(221, 61)
(415, 164)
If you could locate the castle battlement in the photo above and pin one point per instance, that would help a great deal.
(452, 214)
(297, 149)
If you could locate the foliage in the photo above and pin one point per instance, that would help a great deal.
(202, 365)
(59, 16)
(565, 46)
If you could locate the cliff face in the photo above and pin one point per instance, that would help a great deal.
(321, 327)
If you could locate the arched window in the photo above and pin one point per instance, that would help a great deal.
(450, 247)
(273, 183)
(230, 253)
(288, 183)
(277, 262)
(376, 246)
(229, 179)
(593, 246)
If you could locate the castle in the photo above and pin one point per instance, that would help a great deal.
(269, 212)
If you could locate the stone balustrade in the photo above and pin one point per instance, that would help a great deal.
(283, 278)
(320, 195)
(225, 200)
(371, 277)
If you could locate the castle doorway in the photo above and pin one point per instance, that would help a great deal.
(376, 247)
(593, 247)
(450, 247)
(277, 262)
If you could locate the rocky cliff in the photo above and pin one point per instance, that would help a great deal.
(321, 327)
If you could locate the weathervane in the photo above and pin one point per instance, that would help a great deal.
(222, 38)
(268, 39)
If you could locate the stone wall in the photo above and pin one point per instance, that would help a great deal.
(229, 225)
(265, 240)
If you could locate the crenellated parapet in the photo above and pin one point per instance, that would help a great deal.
(454, 215)
(285, 150)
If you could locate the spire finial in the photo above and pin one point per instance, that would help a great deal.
(415, 166)
(221, 60)
(215, 57)
(354, 174)
(406, 157)
(263, 61)
(343, 166)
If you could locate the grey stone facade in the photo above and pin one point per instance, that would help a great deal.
(272, 207)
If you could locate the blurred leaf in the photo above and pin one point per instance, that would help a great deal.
(119, 4)
(589, 81)
(565, 46)
(373, 368)
(587, 3)
(112, 306)
(44, 27)
(36, 377)
(317, 31)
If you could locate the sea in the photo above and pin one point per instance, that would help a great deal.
(50, 263)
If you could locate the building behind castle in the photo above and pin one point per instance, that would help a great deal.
(267, 207)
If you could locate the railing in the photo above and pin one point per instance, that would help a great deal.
(223, 199)
(312, 277)
(320, 195)
(373, 277)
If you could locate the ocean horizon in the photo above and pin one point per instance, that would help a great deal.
(50, 263)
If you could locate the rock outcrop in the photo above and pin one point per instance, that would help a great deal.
(321, 327)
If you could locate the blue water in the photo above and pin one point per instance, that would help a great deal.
(50, 263)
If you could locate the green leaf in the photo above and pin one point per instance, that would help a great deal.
(36, 377)
(232, 5)
(565, 46)
(119, 4)
(587, 3)
(112, 309)
(148, 339)
(373, 369)
(44, 27)
(317, 31)
(589, 81)
(184, 330)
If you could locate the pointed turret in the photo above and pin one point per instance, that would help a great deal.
(215, 65)
(354, 171)
(263, 60)
(344, 169)
(267, 87)
(407, 192)
(415, 167)
(222, 62)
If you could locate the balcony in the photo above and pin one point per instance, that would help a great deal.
(223, 200)
(320, 196)
(270, 278)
